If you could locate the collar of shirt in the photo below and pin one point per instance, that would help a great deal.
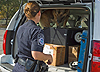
(32, 22)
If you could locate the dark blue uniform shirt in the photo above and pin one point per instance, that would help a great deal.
(30, 37)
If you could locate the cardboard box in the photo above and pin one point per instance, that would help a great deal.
(74, 50)
(73, 53)
(57, 52)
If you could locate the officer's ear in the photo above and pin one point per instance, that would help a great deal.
(39, 13)
(26, 15)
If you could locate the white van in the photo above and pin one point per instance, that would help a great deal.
(82, 28)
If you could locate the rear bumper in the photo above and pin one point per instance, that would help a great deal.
(7, 62)
(7, 67)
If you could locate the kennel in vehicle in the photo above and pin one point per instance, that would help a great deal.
(81, 17)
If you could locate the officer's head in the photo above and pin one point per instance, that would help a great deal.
(32, 11)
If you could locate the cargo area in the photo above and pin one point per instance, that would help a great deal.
(63, 35)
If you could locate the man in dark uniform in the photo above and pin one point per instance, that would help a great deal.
(30, 40)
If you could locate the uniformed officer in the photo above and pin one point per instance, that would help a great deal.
(30, 40)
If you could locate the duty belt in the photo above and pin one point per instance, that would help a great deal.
(21, 62)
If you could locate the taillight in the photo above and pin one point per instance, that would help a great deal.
(4, 42)
(95, 62)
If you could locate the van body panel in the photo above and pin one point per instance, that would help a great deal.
(11, 29)
(8, 41)
(16, 19)
(96, 35)
(12, 21)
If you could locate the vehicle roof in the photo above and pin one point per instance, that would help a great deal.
(61, 1)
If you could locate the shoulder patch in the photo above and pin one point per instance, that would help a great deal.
(40, 39)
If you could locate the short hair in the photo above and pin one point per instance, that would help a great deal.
(31, 9)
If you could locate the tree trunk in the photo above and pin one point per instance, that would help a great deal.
(7, 14)
(6, 21)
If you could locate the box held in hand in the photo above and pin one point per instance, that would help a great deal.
(57, 52)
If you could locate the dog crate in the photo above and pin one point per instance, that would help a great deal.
(61, 36)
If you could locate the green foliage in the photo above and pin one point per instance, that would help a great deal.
(9, 7)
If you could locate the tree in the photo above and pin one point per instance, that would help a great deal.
(8, 8)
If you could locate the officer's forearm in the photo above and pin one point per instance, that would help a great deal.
(40, 56)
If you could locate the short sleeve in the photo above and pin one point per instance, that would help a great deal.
(37, 40)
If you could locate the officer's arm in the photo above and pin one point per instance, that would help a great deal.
(40, 56)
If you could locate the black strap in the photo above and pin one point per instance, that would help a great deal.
(37, 66)
(16, 57)
(21, 61)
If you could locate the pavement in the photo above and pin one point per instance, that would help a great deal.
(3, 70)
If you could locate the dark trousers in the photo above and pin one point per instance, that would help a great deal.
(20, 68)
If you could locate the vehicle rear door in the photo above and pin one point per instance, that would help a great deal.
(90, 5)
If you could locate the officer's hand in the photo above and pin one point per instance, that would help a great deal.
(50, 60)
